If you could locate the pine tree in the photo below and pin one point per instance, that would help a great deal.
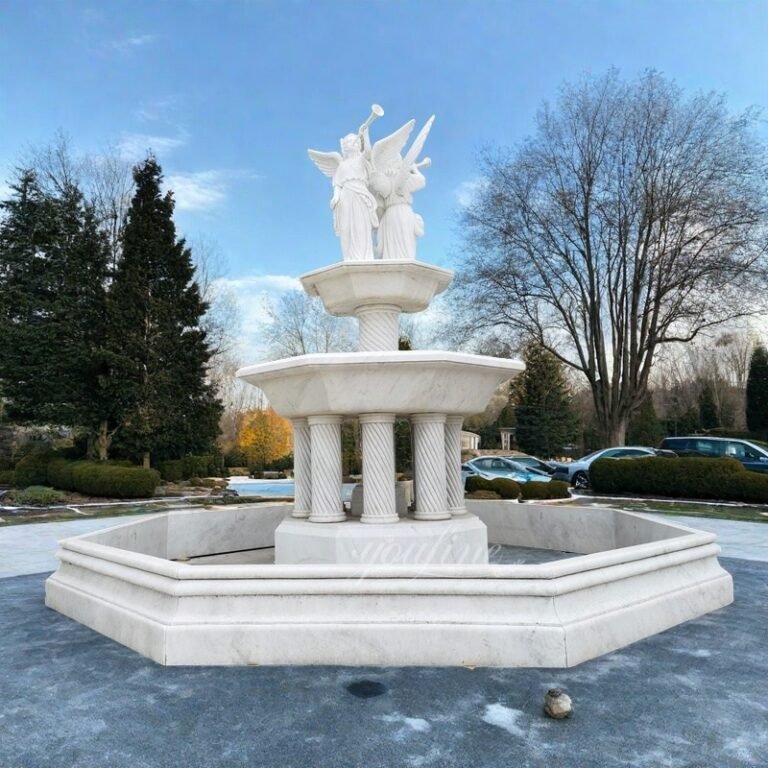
(53, 264)
(645, 427)
(757, 391)
(708, 414)
(545, 421)
(156, 348)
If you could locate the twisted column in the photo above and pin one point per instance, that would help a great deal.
(454, 482)
(379, 327)
(302, 468)
(429, 461)
(325, 452)
(379, 504)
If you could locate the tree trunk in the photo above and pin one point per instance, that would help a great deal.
(103, 441)
(145, 461)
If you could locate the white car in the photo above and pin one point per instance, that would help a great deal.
(578, 471)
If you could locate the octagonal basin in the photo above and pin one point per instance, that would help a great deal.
(199, 587)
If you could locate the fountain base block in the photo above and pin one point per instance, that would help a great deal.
(459, 541)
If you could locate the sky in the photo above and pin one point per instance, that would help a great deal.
(229, 95)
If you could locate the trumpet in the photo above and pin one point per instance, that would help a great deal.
(376, 111)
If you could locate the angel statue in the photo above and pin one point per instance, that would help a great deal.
(353, 205)
(394, 179)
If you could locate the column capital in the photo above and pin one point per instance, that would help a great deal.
(377, 418)
(325, 418)
(428, 418)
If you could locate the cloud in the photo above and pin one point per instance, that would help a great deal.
(203, 190)
(157, 110)
(254, 294)
(132, 42)
(466, 193)
(134, 146)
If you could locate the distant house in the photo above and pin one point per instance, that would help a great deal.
(469, 441)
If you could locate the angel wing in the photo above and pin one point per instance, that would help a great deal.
(385, 154)
(327, 162)
(413, 153)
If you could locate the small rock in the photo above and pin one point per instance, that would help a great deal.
(557, 704)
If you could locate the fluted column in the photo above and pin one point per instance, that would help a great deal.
(379, 328)
(302, 468)
(429, 460)
(325, 450)
(379, 504)
(454, 482)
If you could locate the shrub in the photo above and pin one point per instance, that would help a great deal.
(7, 477)
(5, 463)
(235, 458)
(489, 495)
(477, 483)
(172, 471)
(95, 479)
(506, 488)
(175, 470)
(33, 468)
(60, 474)
(555, 489)
(698, 478)
(37, 496)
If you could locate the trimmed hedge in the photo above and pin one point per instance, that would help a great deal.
(7, 477)
(191, 466)
(33, 468)
(554, 489)
(476, 483)
(93, 478)
(505, 487)
(694, 478)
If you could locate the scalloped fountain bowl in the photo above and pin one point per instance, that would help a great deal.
(193, 587)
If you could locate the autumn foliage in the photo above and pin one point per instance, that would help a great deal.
(264, 437)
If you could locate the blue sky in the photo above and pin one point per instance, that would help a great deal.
(231, 93)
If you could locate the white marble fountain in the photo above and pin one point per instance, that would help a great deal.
(402, 583)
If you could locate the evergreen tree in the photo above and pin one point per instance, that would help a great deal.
(156, 348)
(708, 415)
(757, 391)
(645, 427)
(53, 264)
(545, 420)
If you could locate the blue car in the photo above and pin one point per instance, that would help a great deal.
(490, 467)
(751, 453)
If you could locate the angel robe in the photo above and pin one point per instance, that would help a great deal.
(354, 215)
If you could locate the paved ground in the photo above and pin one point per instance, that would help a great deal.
(692, 697)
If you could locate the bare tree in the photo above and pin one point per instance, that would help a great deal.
(105, 178)
(633, 218)
(299, 325)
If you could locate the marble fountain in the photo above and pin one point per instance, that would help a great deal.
(402, 581)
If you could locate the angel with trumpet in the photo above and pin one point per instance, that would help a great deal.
(353, 204)
(373, 187)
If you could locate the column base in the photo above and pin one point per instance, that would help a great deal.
(426, 516)
(340, 518)
(459, 541)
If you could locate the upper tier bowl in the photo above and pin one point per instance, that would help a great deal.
(351, 383)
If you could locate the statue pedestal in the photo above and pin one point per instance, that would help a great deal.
(458, 541)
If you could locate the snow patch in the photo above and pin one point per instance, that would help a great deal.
(505, 718)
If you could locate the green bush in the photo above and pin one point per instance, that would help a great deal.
(477, 483)
(37, 496)
(694, 478)
(487, 495)
(60, 474)
(7, 477)
(555, 489)
(175, 470)
(33, 468)
(95, 479)
(6, 463)
(506, 488)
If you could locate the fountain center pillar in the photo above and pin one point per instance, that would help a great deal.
(379, 327)
(325, 438)
(429, 460)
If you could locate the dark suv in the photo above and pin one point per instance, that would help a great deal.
(752, 455)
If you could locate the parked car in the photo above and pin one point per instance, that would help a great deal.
(752, 454)
(577, 472)
(533, 463)
(498, 466)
